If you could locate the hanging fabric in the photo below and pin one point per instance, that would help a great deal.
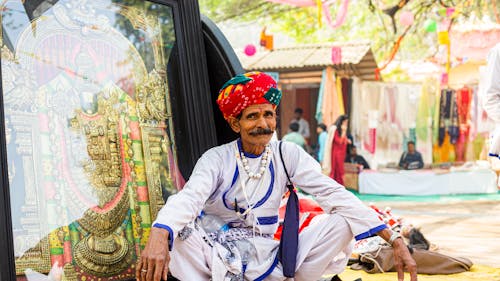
(346, 94)
(340, 97)
(453, 129)
(463, 100)
(329, 107)
(445, 113)
(321, 93)
(424, 118)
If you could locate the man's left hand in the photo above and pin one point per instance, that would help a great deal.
(403, 261)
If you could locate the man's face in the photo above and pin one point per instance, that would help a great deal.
(411, 147)
(297, 115)
(256, 125)
(354, 151)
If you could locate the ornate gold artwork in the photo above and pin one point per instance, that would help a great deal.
(104, 256)
(91, 143)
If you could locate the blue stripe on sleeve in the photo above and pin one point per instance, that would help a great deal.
(170, 234)
(370, 233)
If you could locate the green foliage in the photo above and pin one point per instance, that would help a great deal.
(365, 20)
(397, 74)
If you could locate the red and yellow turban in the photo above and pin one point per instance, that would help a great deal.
(247, 89)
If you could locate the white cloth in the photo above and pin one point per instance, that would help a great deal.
(193, 259)
(327, 154)
(426, 182)
(303, 127)
(215, 185)
(492, 99)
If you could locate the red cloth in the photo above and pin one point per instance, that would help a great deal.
(308, 209)
(339, 148)
(247, 89)
(464, 99)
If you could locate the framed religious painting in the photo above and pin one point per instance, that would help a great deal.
(100, 110)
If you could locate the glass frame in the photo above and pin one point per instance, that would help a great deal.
(191, 108)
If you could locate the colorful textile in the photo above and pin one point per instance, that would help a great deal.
(464, 99)
(410, 136)
(247, 89)
(330, 107)
(436, 119)
(448, 116)
(340, 96)
(426, 108)
(445, 152)
(321, 93)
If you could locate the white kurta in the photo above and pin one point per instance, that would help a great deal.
(214, 187)
(492, 97)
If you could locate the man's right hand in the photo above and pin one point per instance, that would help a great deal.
(154, 259)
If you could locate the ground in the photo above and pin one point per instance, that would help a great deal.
(466, 228)
(469, 228)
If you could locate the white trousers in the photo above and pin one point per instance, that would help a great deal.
(324, 248)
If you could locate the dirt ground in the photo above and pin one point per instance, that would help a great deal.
(468, 229)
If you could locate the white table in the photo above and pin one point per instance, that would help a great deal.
(428, 182)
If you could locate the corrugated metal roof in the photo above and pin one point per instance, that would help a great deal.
(307, 55)
(356, 57)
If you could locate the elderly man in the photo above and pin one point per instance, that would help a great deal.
(221, 225)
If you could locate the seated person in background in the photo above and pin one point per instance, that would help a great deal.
(354, 158)
(411, 159)
(294, 136)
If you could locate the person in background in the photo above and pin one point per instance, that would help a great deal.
(492, 105)
(339, 148)
(492, 97)
(322, 137)
(411, 159)
(354, 158)
(303, 124)
(294, 136)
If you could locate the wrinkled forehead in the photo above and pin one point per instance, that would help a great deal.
(265, 107)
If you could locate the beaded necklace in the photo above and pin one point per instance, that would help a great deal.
(240, 155)
(262, 166)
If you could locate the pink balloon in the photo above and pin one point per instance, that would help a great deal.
(450, 11)
(250, 50)
(406, 18)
